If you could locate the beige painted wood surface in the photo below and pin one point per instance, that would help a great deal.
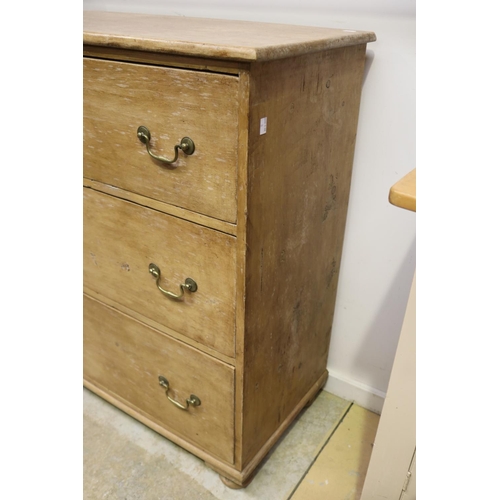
(339, 471)
(396, 435)
(172, 103)
(410, 490)
(121, 239)
(299, 176)
(404, 193)
(216, 38)
(128, 359)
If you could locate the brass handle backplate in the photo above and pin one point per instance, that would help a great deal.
(192, 400)
(186, 145)
(189, 284)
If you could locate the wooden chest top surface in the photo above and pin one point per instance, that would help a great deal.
(217, 38)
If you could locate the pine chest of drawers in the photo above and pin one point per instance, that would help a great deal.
(217, 166)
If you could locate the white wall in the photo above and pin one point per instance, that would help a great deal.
(379, 250)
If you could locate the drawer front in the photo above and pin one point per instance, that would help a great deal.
(172, 104)
(122, 239)
(126, 358)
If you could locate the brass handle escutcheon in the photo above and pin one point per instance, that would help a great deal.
(193, 400)
(186, 145)
(189, 284)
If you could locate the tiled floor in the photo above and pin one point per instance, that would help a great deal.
(339, 470)
(323, 455)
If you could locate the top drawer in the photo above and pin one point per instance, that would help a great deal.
(172, 104)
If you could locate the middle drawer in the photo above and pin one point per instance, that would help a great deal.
(122, 240)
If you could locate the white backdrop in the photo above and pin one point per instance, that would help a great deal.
(379, 251)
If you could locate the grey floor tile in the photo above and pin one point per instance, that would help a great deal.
(125, 460)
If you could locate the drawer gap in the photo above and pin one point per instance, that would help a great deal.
(172, 210)
(135, 59)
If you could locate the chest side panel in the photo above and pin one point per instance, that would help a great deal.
(299, 175)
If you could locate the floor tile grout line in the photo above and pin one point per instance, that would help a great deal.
(321, 449)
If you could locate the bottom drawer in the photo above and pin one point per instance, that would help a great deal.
(126, 359)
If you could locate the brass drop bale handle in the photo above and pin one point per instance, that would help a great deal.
(189, 284)
(186, 145)
(193, 400)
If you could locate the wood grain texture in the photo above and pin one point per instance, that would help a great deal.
(243, 477)
(126, 357)
(158, 326)
(180, 212)
(241, 249)
(287, 421)
(404, 193)
(256, 219)
(171, 103)
(215, 38)
(162, 59)
(147, 420)
(299, 176)
(121, 239)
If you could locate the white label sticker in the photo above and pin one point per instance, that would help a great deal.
(263, 125)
